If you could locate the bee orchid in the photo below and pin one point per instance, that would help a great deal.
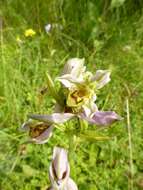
(59, 171)
(81, 85)
(41, 131)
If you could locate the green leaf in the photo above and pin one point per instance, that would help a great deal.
(52, 90)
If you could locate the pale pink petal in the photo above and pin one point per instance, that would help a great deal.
(53, 118)
(60, 161)
(102, 118)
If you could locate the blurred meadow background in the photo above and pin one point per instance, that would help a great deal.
(109, 35)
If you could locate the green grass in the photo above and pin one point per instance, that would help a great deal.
(108, 40)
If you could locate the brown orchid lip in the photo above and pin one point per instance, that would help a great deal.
(76, 96)
(38, 129)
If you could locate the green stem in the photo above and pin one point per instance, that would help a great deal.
(83, 125)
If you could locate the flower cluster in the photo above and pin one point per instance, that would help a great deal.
(76, 98)
(59, 171)
(29, 33)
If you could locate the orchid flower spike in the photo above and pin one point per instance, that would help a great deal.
(59, 171)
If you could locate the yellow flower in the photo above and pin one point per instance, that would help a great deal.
(29, 33)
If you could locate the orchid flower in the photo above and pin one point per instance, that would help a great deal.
(81, 87)
(40, 132)
(59, 171)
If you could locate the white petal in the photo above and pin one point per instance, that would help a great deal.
(74, 66)
(68, 185)
(73, 72)
(90, 108)
(69, 80)
(60, 161)
(71, 185)
(26, 126)
(102, 77)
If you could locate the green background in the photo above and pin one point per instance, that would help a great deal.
(109, 35)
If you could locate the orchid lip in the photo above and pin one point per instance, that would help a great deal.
(43, 137)
(39, 132)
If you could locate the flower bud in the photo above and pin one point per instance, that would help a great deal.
(59, 168)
